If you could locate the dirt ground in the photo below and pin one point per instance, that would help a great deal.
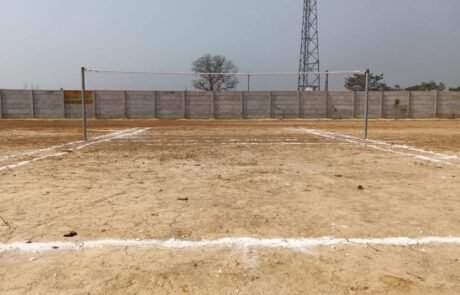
(195, 180)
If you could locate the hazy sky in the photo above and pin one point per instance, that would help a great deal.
(46, 42)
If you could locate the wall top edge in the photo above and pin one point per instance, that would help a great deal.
(227, 92)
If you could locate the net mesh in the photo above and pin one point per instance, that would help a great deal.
(185, 81)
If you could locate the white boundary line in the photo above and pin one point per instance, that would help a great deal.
(405, 147)
(79, 145)
(229, 142)
(416, 153)
(31, 153)
(34, 152)
(240, 143)
(229, 242)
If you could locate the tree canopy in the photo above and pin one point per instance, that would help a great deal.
(455, 89)
(224, 79)
(427, 86)
(357, 82)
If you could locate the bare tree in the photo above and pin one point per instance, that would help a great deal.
(224, 79)
(31, 87)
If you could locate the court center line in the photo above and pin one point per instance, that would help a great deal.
(240, 143)
(231, 242)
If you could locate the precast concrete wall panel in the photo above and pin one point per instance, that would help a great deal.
(313, 105)
(110, 104)
(285, 104)
(17, 104)
(341, 105)
(48, 104)
(449, 105)
(256, 105)
(73, 111)
(198, 105)
(422, 104)
(228, 105)
(169, 105)
(140, 104)
(394, 110)
(374, 105)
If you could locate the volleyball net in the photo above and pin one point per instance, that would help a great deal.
(190, 81)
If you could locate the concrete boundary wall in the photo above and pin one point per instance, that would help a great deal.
(17, 104)
(49, 104)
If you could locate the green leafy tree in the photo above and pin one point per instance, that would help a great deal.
(357, 82)
(224, 79)
(397, 87)
(455, 89)
(428, 86)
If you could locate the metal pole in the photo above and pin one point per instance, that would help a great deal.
(366, 124)
(249, 82)
(83, 104)
(326, 84)
(1, 105)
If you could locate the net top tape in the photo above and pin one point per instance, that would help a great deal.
(223, 74)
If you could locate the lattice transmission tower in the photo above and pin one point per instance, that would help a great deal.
(309, 48)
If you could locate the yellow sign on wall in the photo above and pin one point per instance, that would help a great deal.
(74, 97)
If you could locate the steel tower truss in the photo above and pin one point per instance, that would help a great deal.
(309, 49)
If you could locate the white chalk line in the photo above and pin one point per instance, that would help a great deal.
(116, 135)
(231, 242)
(230, 142)
(96, 140)
(405, 147)
(240, 143)
(429, 156)
(34, 152)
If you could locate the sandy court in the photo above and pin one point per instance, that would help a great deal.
(208, 180)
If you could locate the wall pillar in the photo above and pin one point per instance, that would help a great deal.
(32, 104)
(125, 104)
(382, 104)
(270, 105)
(355, 98)
(409, 105)
(436, 101)
(184, 104)
(213, 105)
(63, 103)
(242, 104)
(94, 104)
(327, 104)
(298, 105)
(155, 104)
